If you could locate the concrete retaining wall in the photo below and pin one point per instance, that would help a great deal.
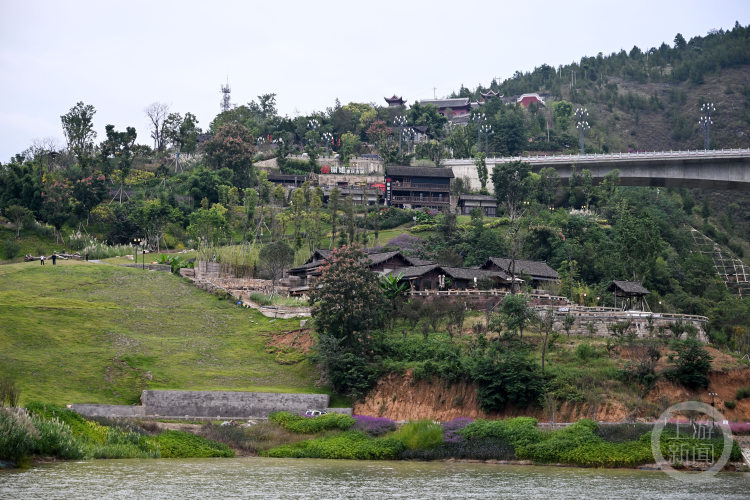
(110, 411)
(227, 404)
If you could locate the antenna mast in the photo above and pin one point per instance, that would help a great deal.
(226, 103)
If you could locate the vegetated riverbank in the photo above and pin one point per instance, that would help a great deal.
(50, 432)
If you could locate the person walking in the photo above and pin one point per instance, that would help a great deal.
(54, 259)
(41, 260)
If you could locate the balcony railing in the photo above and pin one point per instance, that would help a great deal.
(420, 186)
(425, 200)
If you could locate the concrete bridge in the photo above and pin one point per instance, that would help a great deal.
(713, 169)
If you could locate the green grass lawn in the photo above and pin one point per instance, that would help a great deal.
(97, 333)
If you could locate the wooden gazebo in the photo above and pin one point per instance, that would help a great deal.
(631, 293)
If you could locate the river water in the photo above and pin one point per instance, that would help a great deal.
(324, 479)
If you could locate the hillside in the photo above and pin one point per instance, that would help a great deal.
(85, 332)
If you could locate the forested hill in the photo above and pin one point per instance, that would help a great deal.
(647, 98)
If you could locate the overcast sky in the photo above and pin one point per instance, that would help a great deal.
(122, 56)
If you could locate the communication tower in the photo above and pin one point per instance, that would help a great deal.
(226, 103)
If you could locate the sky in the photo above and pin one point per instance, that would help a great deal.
(122, 56)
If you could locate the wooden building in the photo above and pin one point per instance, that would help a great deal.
(418, 187)
(488, 204)
(538, 272)
(394, 101)
(450, 107)
(632, 295)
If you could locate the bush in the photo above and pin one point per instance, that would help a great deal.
(17, 434)
(452, 428)
(585, 351)
(485, 449)
(253, 439)
(507, 377)
(692, 365)
(730, 404)
(519, 431)
(352, 445)
(423, 434)
(176, 444)
(10, 249)
(311, 425)
(374, 426)
(742, 393)
(56, 439)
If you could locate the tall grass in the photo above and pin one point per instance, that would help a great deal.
(277, 300)
(84, 243)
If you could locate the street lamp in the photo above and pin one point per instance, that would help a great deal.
(581, 123)
(480, 118)
(486, 129)
(327, 138)
(713, 406)
(261, 141)
(705, 122)
(137, 243)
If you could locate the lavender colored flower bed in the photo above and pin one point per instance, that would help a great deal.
(451, 429)
(740, 427)
(374, 426)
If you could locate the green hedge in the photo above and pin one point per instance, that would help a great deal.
(312, 425)
(352, 445)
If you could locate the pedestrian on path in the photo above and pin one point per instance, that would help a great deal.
(42, 260)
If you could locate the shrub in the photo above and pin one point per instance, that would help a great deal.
(452, 428)
(176, 444)
(519, 431)
(374, 426)
(730, 404)
(507, 377)
(485, 449)
(56, 439)
(554, 445)
(585, 351)
(423, 434)
(17, 434)
(742, 393)
(10, 249)
(352, 445)
(311, 425)
(692, 365)
(253, 439)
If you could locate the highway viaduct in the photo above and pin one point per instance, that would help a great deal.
(712, 169)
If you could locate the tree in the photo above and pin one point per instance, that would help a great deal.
(78, 127)
(117, 153)
(549, 181)
(208, 227)
(20, 216)
(232, 147)
(152, 217)
(333, 207)
(507, 376)
(275, 258)
(516, 313)
(512, 186)
(347, 302)
(479, 161)
(679, 41)
(394, 289)
(547, 324)
(692, 365)
(157, 115)
(562, 111)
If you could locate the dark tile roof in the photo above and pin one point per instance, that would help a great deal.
(535, 269)
(446, 103)
(414, 271)
(415, 261)
(469, 273)
(629, 287)
(377, 258)
(419, 171)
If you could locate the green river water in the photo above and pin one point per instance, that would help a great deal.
(324, 479)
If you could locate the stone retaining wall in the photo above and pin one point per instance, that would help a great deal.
(227, 404)
(109, 411)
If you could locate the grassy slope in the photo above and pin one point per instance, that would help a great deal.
(84, 332)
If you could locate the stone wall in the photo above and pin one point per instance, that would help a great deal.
(109, 411)
(226, 404)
